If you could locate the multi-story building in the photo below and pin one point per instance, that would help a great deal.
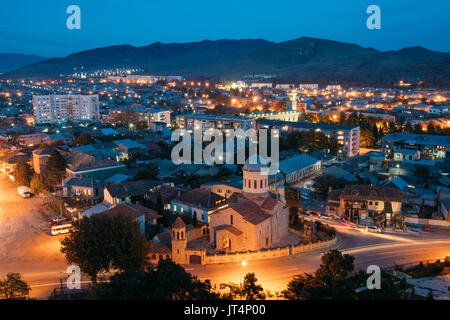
(429, 146)
(347, 136)
(33, 139)
(334, 87)
(40, 159)
(310, 86)
(282, 116)
(366, 204)
(207, 121)
(63, 108)
(120, 115)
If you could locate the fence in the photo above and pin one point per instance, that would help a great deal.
(266, 253)
(431, 222)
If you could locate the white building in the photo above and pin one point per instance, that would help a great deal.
(334, 87)
(63, 108)
(310, 86)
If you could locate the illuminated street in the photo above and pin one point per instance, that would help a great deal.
(26, 247)
(367, 248)
(274, 274)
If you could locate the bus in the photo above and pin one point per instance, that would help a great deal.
(61, 229)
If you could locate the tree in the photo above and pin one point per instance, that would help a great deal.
(330, 281)
(187, 218)
(408, 128)
(23, 173)
(101, 242)
(167, 281)
(194, 219)
(37, 184)
(431, 129)
(366, 139)
(335, 267)
(423, 172)
(56, 166)
(83, 139)
(296, 286)
(323, 183)
(390, 287)
(251, 290)
(148, 173)
(13, 287)
(417, 129)
(293, 212)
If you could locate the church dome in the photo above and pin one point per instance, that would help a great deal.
(255, 164)
(256, 179)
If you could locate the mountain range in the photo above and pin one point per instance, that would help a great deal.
(13, 61)
(302, 58)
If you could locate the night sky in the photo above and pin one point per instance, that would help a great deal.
(39, 27)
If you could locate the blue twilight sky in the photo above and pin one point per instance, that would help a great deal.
(39, 26)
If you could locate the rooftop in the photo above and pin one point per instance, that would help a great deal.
(293, 164)
(130, 188)
(307, 125)
(418, 139)
(214, 117)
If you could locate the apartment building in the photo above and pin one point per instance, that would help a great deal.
(309, 86)
(64, 108)
(207, 121)
(428, 146)
(123, 114)
(347, 136)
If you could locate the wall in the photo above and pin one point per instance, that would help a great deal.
(431, 222)
(268, 253)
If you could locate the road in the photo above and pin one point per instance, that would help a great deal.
(367, 248)
(25, 246)
(28, 249)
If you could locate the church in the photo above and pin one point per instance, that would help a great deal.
(253, 218)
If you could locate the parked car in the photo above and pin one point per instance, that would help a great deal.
(324, 215)
(426, 228)
(371, 228)
(24, 191)
(57, 221)
(414, 228)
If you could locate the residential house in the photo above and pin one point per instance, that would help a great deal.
(366, 204)
(128, 192)
(197, 202)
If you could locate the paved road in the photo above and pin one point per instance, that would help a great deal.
(27, 249)
(274, 274)
(382, 250)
